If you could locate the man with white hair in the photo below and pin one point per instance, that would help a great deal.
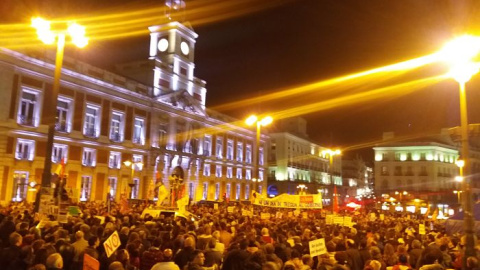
(79, 246)
(54, 262)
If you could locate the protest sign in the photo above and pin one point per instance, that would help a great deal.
(112, 243)
(317, 247)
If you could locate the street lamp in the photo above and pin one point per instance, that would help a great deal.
(48, 36)
(458, 192)
(302, 188)
(252, 120)
(331, 153)
(132, 165)
(459, 53)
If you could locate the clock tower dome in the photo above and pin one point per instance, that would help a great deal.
(172, 47)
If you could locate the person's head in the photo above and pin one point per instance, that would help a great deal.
(416, 244)
(167, 254)
(93, 241)
(341, 257)
(216, 235)
(79, 235)
(15, 239)
(307, 260)
(189, 242)
(212, 243)
(54, 261)
(198, 257)
(374, 264)
(432, 255)
(264, 232)
(375, 252)
(402, 258)
(270, 266)
(116, 266)
(472, 263)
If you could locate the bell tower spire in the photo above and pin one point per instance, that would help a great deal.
(172, 48)
(175, 10)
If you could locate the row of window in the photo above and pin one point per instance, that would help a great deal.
(423, 184)
(25, 150)
(229, 172)
(29, 112)
(417, 157)
(399, 171)
(228, 191)
(21, 183)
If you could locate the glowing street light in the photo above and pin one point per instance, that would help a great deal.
(49, 36)
(459, 54)
(250, 121)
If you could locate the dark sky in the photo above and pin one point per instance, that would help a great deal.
(299, 42)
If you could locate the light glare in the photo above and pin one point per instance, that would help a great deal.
(252, 119)
(266, 121)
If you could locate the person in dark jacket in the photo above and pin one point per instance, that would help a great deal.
(182, 257)
(152, 256)
(11, 253)
(355, 259)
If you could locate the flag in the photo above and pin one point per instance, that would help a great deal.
(60, 170)
(162, 194)
(182, 204)
(335, 200)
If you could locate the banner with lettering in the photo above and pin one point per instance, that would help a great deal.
(313, 201)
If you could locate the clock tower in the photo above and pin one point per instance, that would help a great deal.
(172, 47)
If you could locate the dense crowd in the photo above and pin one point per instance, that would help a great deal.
(229, 240)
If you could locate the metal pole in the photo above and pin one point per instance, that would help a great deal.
(257, 157)
(467, 197)
(47, 168)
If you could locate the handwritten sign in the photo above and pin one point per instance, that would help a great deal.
(317, 247)
(215, 206)
(373, 217)
(230, 209)
(382, 217)
(278, 215)
(338, 220)
(112, 243)
(265, 216)
(329, 219)
(90, 263)
(305, 215)
(347, 221)
(421, 228)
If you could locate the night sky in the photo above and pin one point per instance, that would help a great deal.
(299, 42)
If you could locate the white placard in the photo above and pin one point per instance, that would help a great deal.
(317, 247)
(112, 243)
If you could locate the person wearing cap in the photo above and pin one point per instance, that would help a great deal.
(167, 263)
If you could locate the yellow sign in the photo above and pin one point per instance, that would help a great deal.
(265, 216)
(317, 247)
(292, 201)
(112, 243)
(421, 229)
(90, 263)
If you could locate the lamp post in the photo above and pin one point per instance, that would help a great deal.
(331, 153)
(132, 165)
(48, 36)
(252, 120)
(302, 188)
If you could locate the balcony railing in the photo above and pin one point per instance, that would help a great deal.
(137, 140)
(26, 121)
(22, 155)
(88, 163)
(116, 137)
(62, 127)
(90, 132)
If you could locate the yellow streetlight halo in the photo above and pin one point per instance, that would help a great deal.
(460, 163)
(461, 49)
(463, 72)
(458, 178)
(127, 163)
(266, 121)
(251, 120)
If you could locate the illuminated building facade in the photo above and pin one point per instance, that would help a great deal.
(423, 168)
(296, 165)
(156, 119)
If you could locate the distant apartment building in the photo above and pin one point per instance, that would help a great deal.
(296, 165)
(425, 167)
(157, 120)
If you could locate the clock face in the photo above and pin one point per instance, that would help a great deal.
(184, 47)
(163, 45)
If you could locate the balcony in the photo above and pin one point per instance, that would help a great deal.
(137, 140)
(22, 155)
(26, 121)
(62, 127)
(90, 132)
(88, 163)
(114, 165)
(116, 137)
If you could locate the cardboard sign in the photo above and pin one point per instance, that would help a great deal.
(215, 206)
(347, 221)
(317, 247)
(305, 215)
(421, 229)
(90, 263)
(265, 216)
(382, 217)
(373, 217)
(230, 209)
(329, 219)
(246, 213)
(338, 220)
(112, 243)
(278, 215)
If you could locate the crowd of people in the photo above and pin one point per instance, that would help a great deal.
(217, 238)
